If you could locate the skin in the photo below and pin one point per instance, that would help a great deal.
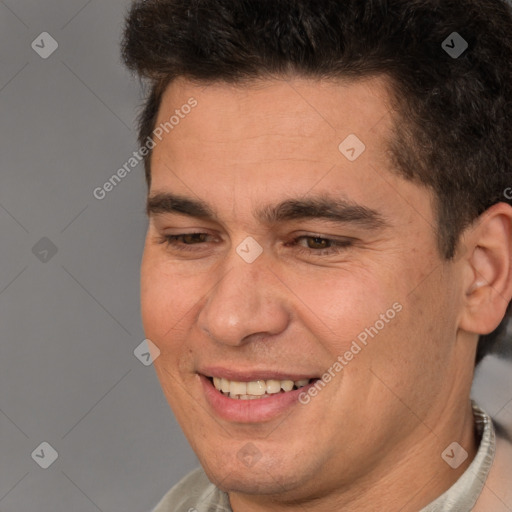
(375, 433)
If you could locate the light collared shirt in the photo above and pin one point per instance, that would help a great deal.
(463, 494)
(195, 493)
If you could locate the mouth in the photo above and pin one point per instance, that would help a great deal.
(257, 389)
(252, 397)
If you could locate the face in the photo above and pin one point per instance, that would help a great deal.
(276, 258)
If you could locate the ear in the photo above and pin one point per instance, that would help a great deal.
(487, 264)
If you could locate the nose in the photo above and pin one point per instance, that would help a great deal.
(248, 301)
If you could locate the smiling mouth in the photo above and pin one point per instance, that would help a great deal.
(256, 389)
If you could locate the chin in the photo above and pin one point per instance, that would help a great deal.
(254, 482)
(267, 475)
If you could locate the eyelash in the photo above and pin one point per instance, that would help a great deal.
(336, 246)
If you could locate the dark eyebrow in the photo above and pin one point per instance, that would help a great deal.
(171, 203)
(321, 207)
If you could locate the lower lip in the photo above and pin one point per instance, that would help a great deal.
(250, 411)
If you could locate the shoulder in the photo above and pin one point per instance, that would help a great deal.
(194, 493)
(502, 474)
(497, 493)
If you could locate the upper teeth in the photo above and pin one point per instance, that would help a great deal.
(256, 388)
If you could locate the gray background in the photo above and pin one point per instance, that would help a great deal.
(70, 321)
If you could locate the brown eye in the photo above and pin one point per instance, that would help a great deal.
(311, 245)
(187, 241)
(318, 243)
(194, 238)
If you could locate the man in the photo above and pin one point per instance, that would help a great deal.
(329, 247)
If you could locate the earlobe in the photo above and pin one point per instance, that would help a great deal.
(489, 289)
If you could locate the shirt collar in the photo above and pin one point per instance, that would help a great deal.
(464, 493)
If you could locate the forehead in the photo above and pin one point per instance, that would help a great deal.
(295, 118)
(242, 148)
(269, 139)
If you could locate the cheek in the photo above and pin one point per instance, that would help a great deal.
(165, 299)
(341, 304)
(413, 353)
(164, 310)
